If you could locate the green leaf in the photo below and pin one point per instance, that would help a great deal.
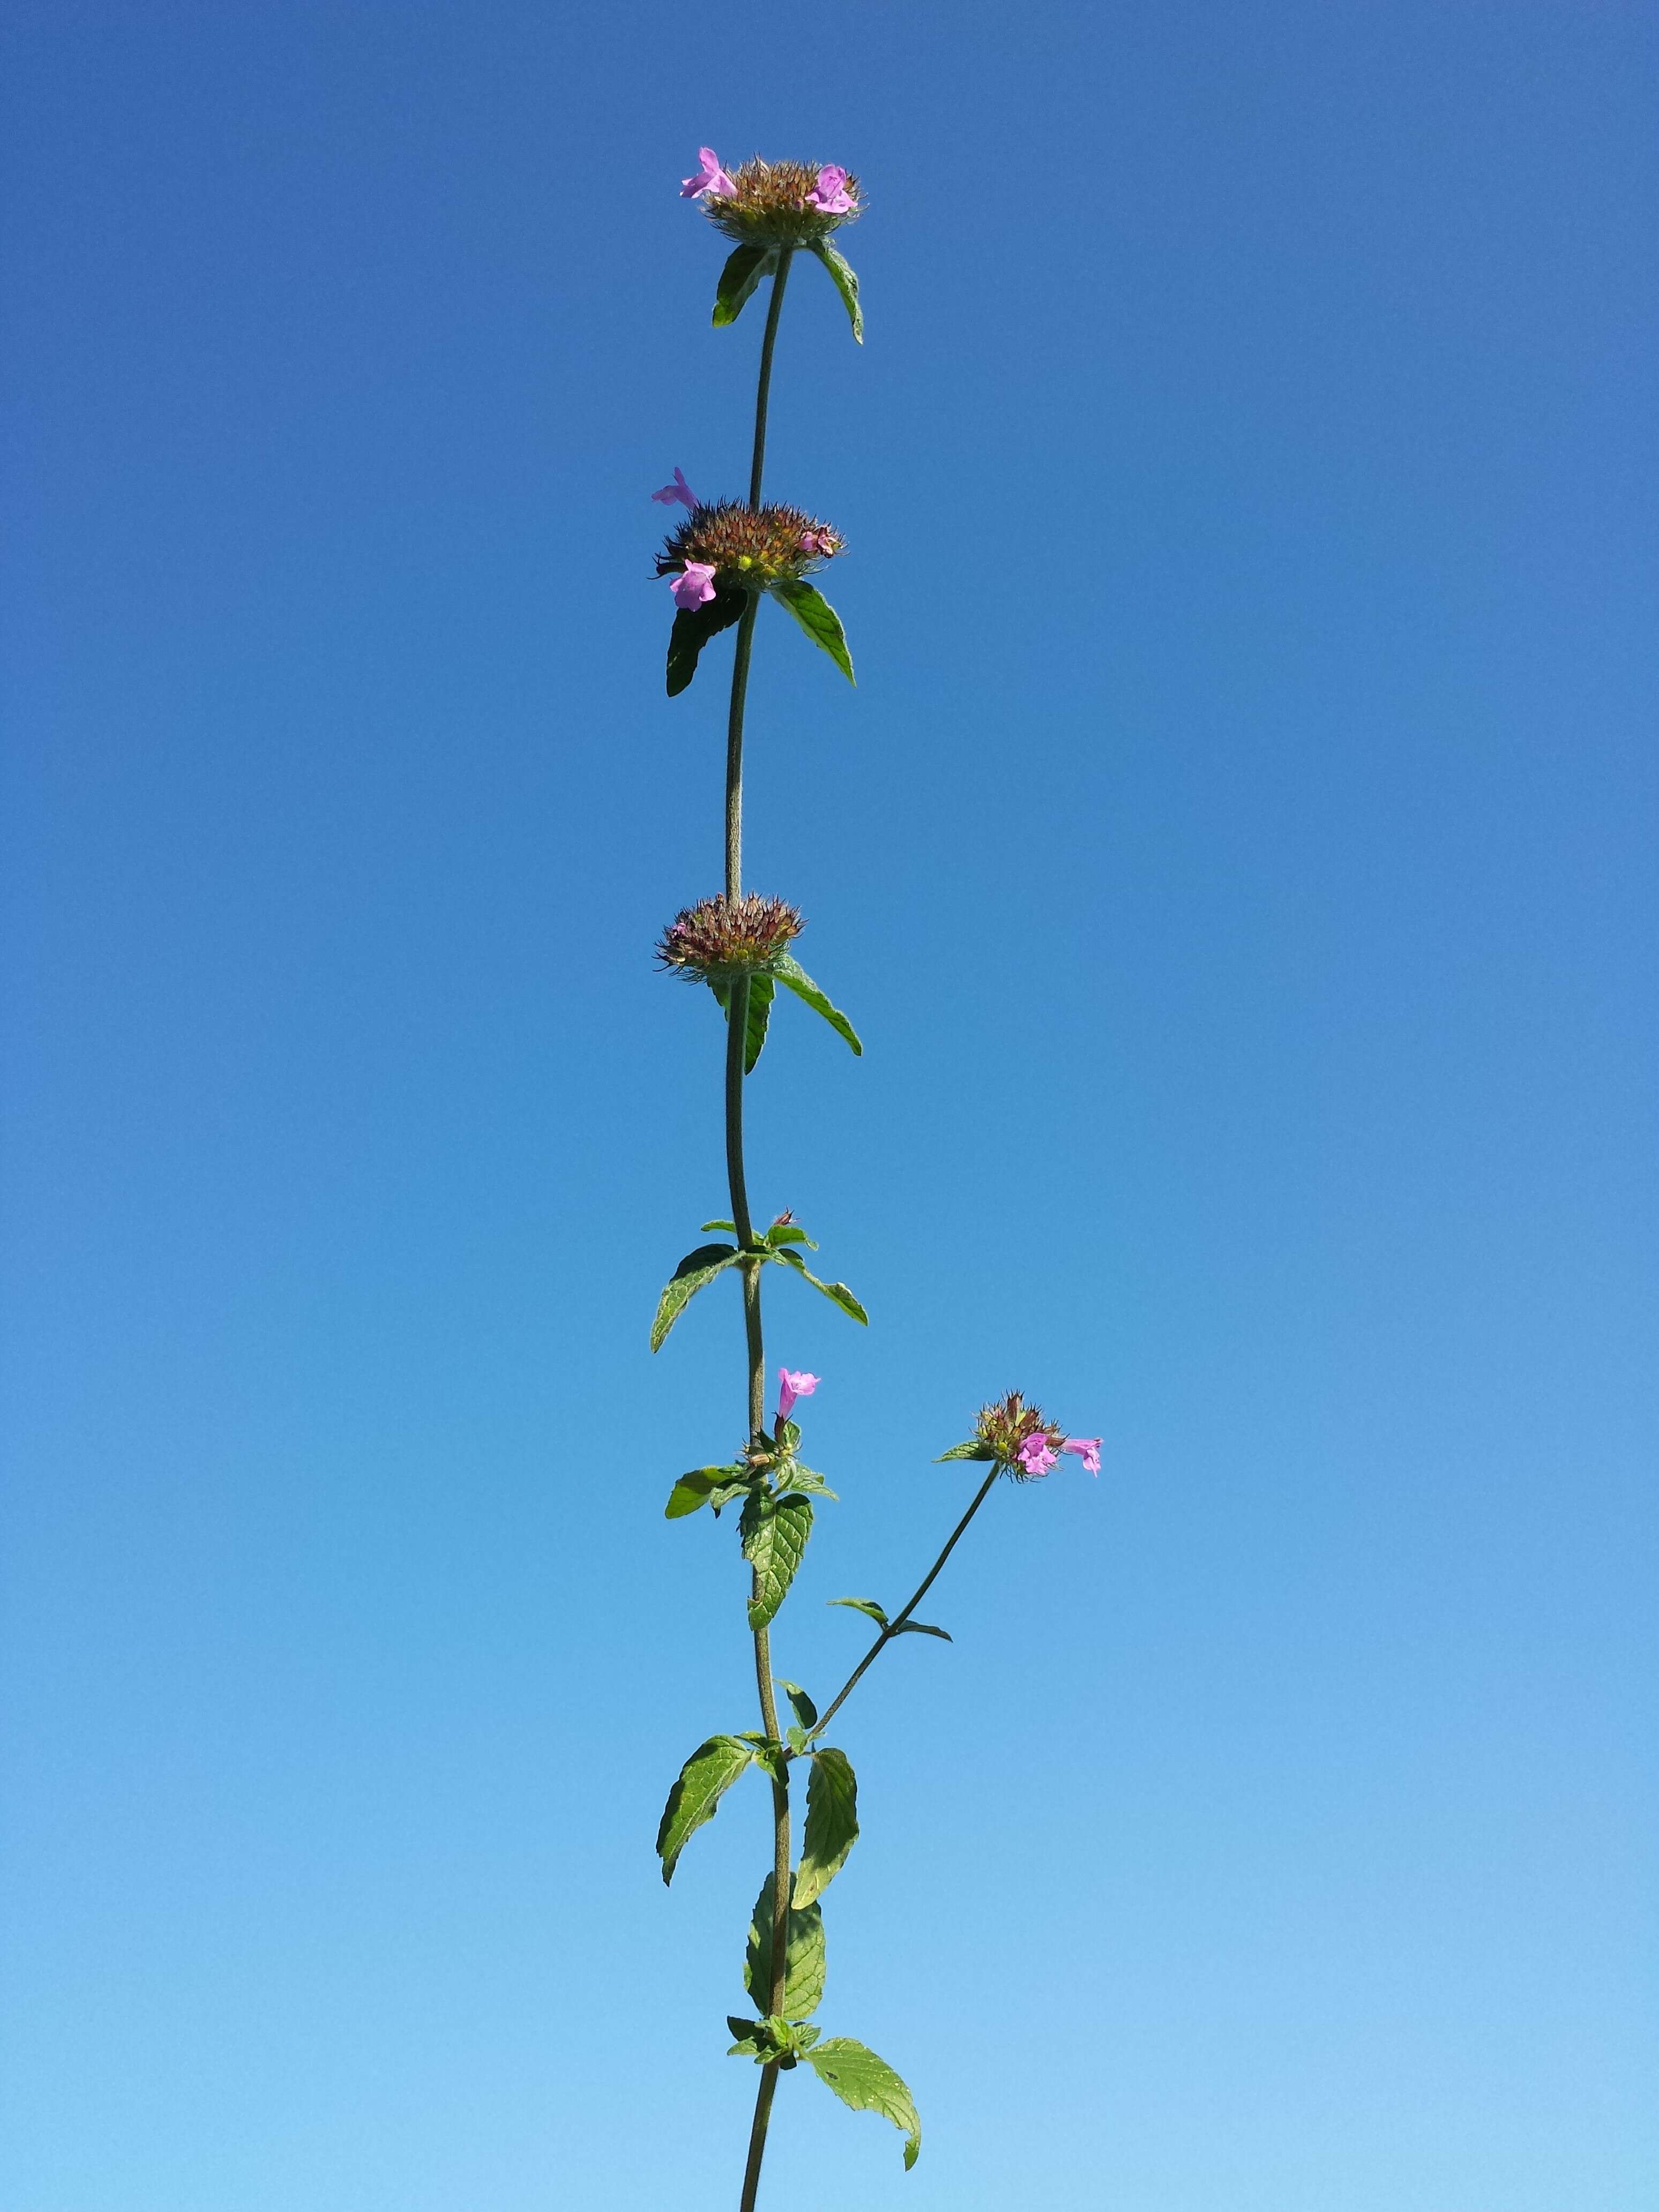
(921, 1628)
(730, 1226)
(810, 1481)
(803, 1985)
(972, 1450)
(696, 1268)
(781, 1232)
(761, 988)
(838, 1292)
(845, 283)
(793, 977)
(832, 1823)
(703, 1780)
(774, 1531)
(818, 619)
(805, 1712)
(742, 273)
(868, 2084)
(693, 628)
(703, 1485)
(877, 1614)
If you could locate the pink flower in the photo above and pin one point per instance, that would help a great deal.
(830, 195)
(711, 178)
(1034, 1455)
(695, 584)
(791, 1385)
(679, 489)
(1087, 1449)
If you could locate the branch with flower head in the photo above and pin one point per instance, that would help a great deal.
(720, 560)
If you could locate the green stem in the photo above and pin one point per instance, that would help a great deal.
(737, 1033)
(763, 389)
(894, 1626)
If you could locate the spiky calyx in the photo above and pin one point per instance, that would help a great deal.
(719, 938)
(1006, 1424)
(750, 548)
(771, 204)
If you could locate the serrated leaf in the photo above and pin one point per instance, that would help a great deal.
(818, 619)
(877, 1614)
(693, 628)
(748, 2033)
(793, 977)
(805, 1712)
(774, 1531)
(808, 1479)
(696, 1268)
(703, 1485)
(803, 1986)
(868, 2084)
(921, 1628)
(832, 1823)
(743, 273)
(972, 1450)
(759, 1006)
(837, 1293)
(704, 1779)
(841, 271)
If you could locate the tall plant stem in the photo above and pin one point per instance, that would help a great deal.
(737, 1033)
(895, 1626)
(746, 625)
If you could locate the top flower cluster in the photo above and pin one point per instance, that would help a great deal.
(773, 203)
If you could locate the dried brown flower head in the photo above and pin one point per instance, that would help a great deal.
(1007, 1424)
(719, 938)
(774, 204)
(749, 548)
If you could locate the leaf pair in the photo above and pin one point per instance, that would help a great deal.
(788, 970)
(744, 269)
(878, 1614)
(695, 626)
(702, 1265)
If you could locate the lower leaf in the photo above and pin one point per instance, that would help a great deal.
(867, 2084)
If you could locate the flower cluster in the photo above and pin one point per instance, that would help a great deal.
(731, 547)
(774, 203)
(1025, 1442)
(719, 938)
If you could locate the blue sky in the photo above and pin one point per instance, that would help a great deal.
(1238, 856)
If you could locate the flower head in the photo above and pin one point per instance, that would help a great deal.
(719, 938)
(693, 587)
(679, 489)
(793, 1385)
(781, 203)
(1087, 1449)
(747, 549)
(1020, 1438)
(710, 178)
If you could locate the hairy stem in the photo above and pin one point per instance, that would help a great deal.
(763, 389)
(737, 1033)
(895, 1626)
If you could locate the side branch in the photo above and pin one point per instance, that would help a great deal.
(895, 1627)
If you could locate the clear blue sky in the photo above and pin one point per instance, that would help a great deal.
(1238, 854)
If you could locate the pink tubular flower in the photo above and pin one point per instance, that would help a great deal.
(1035, 1456)
(679, 489)
(830, 195)
(711, 178)
(791, 1385)
(1087, 1449)
(695, 584)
